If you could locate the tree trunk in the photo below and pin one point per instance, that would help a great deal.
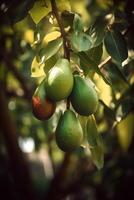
(18, 165)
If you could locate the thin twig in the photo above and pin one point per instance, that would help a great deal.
(104, 62)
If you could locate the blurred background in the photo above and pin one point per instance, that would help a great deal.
(31, 165)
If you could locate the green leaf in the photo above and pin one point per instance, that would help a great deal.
(87, 64)
(121, 74)
(80, 41)
(50, 49)
(125, 104)
(125, 131)
(37, 69)
(109, 113)
(97, 31)
(50, 63)
(116, 46)
(77, 24)
(40, 90)
(96, 53)
(40, 10)
(95, 142)
(124, 108)
(91, 131)
(115, 74)
(97, 154)
(83, 122)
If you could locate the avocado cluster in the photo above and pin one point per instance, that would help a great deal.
(60, 84)
(55, 87)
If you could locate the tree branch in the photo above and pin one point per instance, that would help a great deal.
(63, 34)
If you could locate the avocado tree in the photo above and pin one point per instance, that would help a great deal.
(73, 65)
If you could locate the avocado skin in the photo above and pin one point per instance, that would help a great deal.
(83, 97)
(69, 133)
(59, 82)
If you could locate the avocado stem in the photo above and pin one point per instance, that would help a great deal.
(68, 103)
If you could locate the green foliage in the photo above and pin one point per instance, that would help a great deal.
(95, 142)
(87, 63)
(37, 68)
(92, 132)
(97, 31)
(96, 53)
(97, 154)
(125, 131)
(80, 40)
(40, 10)
(77, 24)
(116, 46)
(115, 72)
(50, 49)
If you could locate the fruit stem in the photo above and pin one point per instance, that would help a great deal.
(63, 33)
(68, 103)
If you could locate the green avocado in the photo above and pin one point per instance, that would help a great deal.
(69, 134)
(84, 98)
(59, 82)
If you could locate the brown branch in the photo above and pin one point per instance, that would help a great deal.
(63, 34)
(18, 164)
